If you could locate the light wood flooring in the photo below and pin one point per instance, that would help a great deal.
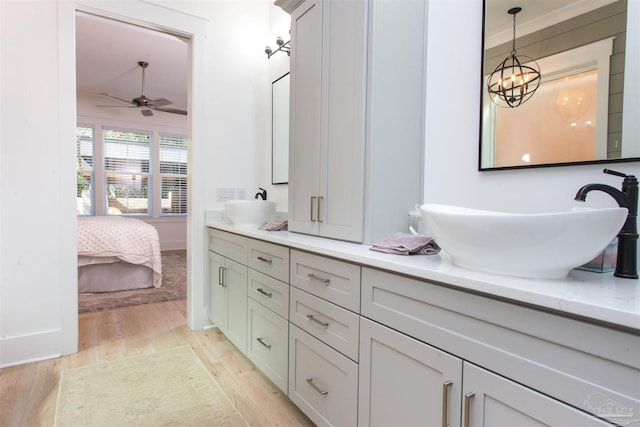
(28, 392)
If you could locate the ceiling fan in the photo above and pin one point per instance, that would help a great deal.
(145, 104)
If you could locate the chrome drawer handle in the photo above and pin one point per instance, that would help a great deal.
(318, 389)
(318, 278)
(319, 322)
(445, 402)
(319, 200)
(268, 261)
(263, 292)
(311, 218)
(221, 271)
(268, 346)
(467, 407)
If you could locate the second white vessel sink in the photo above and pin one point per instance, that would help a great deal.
(545, 245)
(249, 213)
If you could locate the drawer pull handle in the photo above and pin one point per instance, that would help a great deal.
(467, 407)
(265, 293)
(445, 402)
(316, 388)
(319, 279)
(268, 261)
(319, 322)
(261, 341)
(319, 200)
(311, 218)
(221, 271)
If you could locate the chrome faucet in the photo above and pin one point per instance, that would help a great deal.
(261, 194)
(626, 263)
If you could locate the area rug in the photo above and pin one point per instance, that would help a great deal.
(174, 286)
(166, 388)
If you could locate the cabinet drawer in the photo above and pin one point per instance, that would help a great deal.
(270, 259)
(335, 326)
(268, 344)
(330, 279)
(228, 245)
(269, 292)
(322, 382)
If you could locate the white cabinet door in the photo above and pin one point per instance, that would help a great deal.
(328, 92)
(217, 291)
(491, 400)
(228, 298)
(404, 382)
(305, 111)
(235, 276)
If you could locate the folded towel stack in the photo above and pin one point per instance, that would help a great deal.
(407, 244)
(276, 225)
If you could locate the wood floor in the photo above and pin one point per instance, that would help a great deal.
(28, 392)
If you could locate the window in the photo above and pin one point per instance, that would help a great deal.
(84, 170)
(127, 162)
(138, 172)
(173, 174)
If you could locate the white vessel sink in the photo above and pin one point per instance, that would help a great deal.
(249, 213)
(545, 245)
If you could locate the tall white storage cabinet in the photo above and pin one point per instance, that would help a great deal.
(356, 125)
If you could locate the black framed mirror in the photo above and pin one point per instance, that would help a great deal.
(280, 130)
(576, 114)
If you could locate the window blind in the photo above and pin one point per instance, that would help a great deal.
(173, 174)
(84, 170)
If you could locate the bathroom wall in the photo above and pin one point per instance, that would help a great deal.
(452, 117)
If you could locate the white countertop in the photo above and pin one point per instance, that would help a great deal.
(599, 297)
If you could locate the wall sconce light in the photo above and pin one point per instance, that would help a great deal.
(282, 47)
(513, 82)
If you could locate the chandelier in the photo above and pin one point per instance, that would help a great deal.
(513, 82)
(282, 47)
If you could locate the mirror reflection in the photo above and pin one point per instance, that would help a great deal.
(280, 130)
(575, 115)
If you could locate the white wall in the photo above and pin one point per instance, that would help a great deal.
(453, 105)
(38, 272)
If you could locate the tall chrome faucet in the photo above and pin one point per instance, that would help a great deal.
(626, 264)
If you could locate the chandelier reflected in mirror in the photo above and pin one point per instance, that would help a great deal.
(515, 80)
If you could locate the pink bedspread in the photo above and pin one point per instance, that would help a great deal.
(126, 239)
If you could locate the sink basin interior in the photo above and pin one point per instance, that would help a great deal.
(545, 245)
(248, 213)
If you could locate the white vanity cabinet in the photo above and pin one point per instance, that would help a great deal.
(328, 88)
(355, 159)
(323, 343)
(268, 324)
(570, 367)
(228, 286)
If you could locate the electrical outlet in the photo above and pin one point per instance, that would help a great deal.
(224, 194)
(241, 193)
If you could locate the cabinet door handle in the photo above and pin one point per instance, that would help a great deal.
(311, 218)
(261, 341)
(467, 407)
(445, 402)
(319, 200)
(318, 278)
(263, 259)
(221, 271)
(316, 388)
(265, 293)
(319, 322)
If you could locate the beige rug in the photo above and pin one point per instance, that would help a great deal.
(167, 388)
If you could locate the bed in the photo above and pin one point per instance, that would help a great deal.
(117, 253)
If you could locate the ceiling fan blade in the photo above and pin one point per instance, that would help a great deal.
(159, 102)
(128, 101)
(171, 110)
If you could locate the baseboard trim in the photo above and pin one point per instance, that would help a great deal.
(30, 348)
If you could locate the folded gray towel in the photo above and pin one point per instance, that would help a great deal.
(276, 225)
(407, 244)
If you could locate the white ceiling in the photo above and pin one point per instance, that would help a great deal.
(535, 15)
(107, 55)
